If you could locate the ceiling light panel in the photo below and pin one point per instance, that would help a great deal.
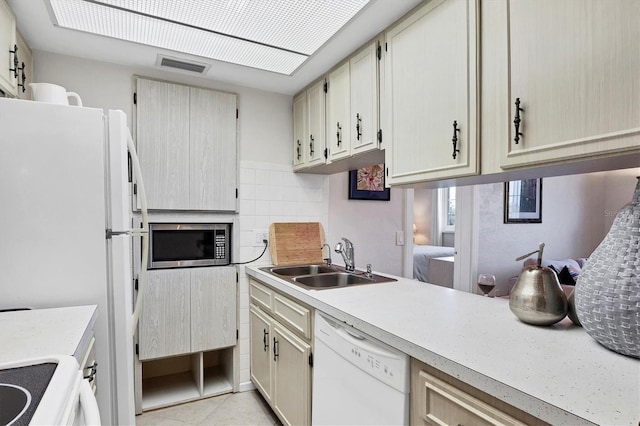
(275, 35)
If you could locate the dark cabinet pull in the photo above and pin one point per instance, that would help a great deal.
(275, 349)
(339, 134)
(358, 126)
(455, 139)
(24, 78)
(516, 122)
(265, 339)
(298, 148)
(311, 151)
(93, 369)
(16, 62)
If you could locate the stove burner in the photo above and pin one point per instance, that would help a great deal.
(21, 390)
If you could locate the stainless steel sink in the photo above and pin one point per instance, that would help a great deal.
(292, 271)
(321, 277)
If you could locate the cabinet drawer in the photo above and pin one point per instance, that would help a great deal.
(443, 404)
(292, 314)
(260, 295)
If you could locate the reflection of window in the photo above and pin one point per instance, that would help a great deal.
(451, 206)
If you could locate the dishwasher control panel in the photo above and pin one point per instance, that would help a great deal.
(376, 358)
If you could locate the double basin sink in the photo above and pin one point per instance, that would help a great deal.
(320, 277)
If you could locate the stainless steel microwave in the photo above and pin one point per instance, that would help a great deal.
(183, 245)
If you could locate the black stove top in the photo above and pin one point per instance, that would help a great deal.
(21, 390)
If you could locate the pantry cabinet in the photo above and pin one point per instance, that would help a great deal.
(8, 68)
(431, 93)
(565, 78)
(186, 336)
(186, 141)
(439, 399)
(280, 338)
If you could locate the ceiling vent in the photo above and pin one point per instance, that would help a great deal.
(182, 65)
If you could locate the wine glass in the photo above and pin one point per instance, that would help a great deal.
(486, 283)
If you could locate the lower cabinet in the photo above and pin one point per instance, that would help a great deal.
(439, 399)
(187, 336)
(281, 357)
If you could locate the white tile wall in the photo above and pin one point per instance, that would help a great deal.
(272, 193)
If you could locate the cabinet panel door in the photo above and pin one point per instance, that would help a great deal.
(7, 42)
(213, 308)
(261, 341)
(165, 320)
(431, 82)
(338, 113)
(315, 141)
(299, 130)
(162, 129)
(213, 150)
(575, 66)
(364, 100)
(291, 377)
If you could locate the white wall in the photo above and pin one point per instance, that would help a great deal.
(370, 225)
(575, 212)
(422, 215)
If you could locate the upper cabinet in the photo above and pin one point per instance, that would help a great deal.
(566, 75)
(431, 90)
(9, 58)
(186, 141)
(25, 76)
(342, 113)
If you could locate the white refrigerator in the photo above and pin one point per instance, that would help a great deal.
(65, 229)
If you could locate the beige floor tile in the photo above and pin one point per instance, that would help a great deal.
(241, 409)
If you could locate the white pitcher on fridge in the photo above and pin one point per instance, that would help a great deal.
(53, 94)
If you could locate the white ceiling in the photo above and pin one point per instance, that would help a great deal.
(35, 23)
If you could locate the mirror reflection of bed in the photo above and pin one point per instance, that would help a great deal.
(433, 235)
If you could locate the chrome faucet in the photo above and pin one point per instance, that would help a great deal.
(327, 259)
(346, 250)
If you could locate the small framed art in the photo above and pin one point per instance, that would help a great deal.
(367, 183)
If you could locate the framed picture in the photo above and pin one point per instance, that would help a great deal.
(367, 183)
(523, 201)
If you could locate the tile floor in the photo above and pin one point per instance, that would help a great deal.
(240, 409)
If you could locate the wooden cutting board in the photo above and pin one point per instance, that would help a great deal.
(296, 243)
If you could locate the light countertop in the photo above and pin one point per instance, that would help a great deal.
(557, 373)
(43, 332)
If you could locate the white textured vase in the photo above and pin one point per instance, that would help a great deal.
(607, 293)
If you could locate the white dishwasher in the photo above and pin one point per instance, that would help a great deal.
(357, 380)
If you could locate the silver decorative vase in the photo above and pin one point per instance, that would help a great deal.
(607, 293)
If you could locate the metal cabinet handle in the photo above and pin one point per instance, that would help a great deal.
(265, 339)
(339, 133)
(455, 139)
(517, 121)
(311, 151)
(24, 77)
(358, 126)
(91, 374)
(298, 148)
(16, 61)
(275, 349)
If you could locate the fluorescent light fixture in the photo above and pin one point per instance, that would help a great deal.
(273, 35)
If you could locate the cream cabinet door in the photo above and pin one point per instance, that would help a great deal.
(430, 90)
(291, 377)
(574, 66)
(212, 150)
(299, 130)
(164, 328)
(213, 308)
(8, 80)
(338, 113)
(315, 142)
(162, 129)
(261, 341)
(364, 99)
